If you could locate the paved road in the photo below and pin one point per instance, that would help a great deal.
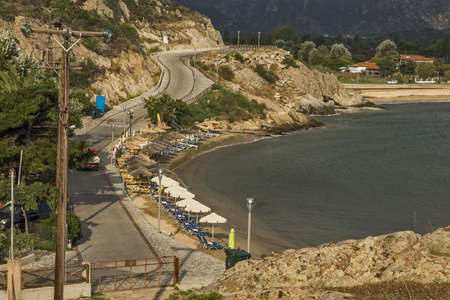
(113, 227)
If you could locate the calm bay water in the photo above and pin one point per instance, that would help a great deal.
(360, 175)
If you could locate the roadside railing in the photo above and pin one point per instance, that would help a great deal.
(46, 276)
(134, 273)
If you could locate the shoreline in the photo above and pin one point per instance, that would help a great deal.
(388, 93)
(221, 231)
(259, 248)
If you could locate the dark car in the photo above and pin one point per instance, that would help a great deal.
(41, 212)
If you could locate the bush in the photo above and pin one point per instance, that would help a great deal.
(290, 62)
(21, 242)
(238, 57)
(223, 104)
(226, 73)
(191, 295)
(73, 222)
(84, 77)
(267, 76)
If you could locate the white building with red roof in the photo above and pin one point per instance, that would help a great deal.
(364, 67)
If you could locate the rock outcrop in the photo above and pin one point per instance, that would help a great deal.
(317, 273)
(132, 71)
(294, 93)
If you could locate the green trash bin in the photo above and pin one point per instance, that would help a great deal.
(234, 256)
(96, 113)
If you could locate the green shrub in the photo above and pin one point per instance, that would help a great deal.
(223, 104)
(153, 50)
(191, 295)
(84, 77)
(73, 222)
(267, 76)
(238, 57)
(226, 73)
(21, 242)
(202, 65)
(290, 62)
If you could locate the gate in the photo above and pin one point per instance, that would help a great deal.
(134, 273)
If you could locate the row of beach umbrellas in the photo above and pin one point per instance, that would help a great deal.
(189, 204)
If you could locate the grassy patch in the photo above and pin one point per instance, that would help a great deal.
(266, 75)
(223, 104)
(191, 295)
(400, 290)
(226, 73)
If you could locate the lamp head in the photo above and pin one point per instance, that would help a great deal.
(112, 126)
(250, 203)
(160, 172)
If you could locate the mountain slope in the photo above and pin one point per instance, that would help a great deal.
(329, 17)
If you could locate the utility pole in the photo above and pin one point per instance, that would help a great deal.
(62, 160)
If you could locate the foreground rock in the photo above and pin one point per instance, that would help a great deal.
(316, 273)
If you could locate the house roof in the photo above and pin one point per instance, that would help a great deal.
(368, 65)
(415, 58)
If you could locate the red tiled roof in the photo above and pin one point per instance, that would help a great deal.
(368, 65)
(414, 58)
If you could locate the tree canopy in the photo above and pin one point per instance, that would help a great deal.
(168, 109)
(386, 48)
(425, 70)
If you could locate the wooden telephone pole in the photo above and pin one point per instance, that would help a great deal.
(62, 160)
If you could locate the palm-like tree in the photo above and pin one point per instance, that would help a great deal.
(12, 81)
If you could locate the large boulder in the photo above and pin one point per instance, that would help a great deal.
(398, 256)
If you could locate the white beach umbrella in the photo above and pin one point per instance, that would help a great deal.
(192, 205)
(179, 192)
(165, 181)
(213, 219)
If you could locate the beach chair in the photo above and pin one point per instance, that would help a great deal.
(212, 245)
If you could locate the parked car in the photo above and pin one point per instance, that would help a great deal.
(41, 212)
(94, 162)
(392, 81)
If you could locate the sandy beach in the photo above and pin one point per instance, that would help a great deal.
(150, 209)
(392, 93)
(378, 93)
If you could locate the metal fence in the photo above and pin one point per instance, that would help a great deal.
(46, 276)
(134, 273)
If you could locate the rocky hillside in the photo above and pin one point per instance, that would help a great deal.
(124, 68)
(328, 17)
(325, 271)
(289, 89)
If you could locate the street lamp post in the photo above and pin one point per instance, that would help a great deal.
(249, 205)
(195, 55)
(124, 110)
(217, 71)
(238, 37)
(130, 113)
(112, 143)
(259, 37)
(160, 172)
(123, 167)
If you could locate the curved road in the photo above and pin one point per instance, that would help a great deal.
(109, 230)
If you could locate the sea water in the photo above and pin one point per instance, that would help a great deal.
(362, 174)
